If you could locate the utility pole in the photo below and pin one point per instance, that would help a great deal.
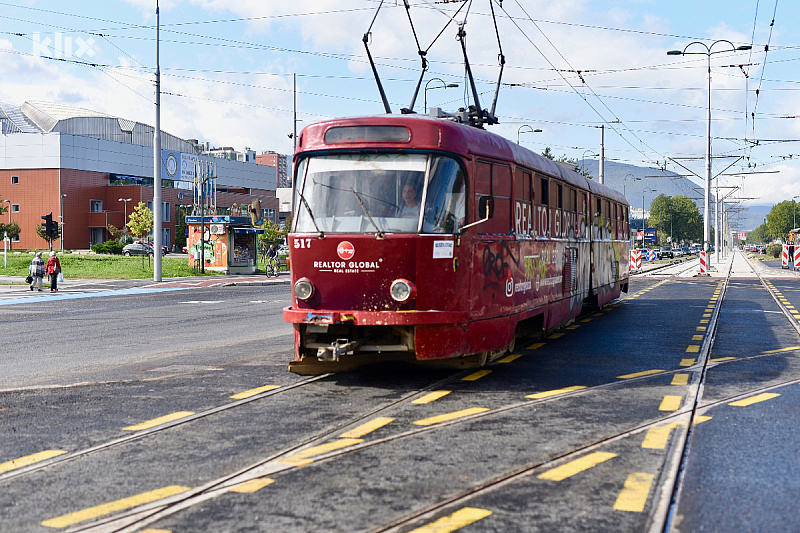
(157, 208)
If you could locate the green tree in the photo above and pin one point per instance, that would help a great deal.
(140, 221)
(274, 235)
(760, 234)
(677, 215)
(780, 219)
(12, 229)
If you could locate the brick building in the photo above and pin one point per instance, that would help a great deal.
(91, 169)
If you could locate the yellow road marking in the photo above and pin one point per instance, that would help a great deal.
(720, 359)
(680, 379)
(577, 466)
(754, 399)
(574, 326)
(510, 358)
(556, 392)
(536, 346)
(449, 416)
(369, 427)
(657, 437)
(29, 460)
(253, 392)
(640, 374)
(300, 458)
(791, 348)
(111, 507)
(706, 315)
(446, 524)
(697, 337)
(432, 397)
(253, 485)
(670, 403)
(693, 348)
(699, 419)
(704, 321)
(598, 314)
(586, 320)
(789, 307)
(158, 421)
(556, 336)
(701, 328)
(633, 496)
(475, 376)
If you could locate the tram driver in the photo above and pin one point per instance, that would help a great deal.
(410, 206)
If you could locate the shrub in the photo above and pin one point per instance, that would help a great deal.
(775, 250)
(108, 247)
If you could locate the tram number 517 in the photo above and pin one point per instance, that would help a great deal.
(302, 243)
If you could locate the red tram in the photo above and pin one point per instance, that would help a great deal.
(426, 240)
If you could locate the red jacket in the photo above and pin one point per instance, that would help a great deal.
(53, 265)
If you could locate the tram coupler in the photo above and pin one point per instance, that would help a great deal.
(338, 348)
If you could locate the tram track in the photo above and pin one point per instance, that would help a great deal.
(142, 516)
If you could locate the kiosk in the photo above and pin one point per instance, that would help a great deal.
(230, 243)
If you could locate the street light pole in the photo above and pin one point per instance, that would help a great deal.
(583, 159)
(61, 207)
(125, 219)
(708, 52)
(442, 86)
(529, 130)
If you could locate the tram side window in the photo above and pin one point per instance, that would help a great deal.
(541, 215)
(556, 205)
(445, 201)
(583, 214)
(523, 211)
(570, 215)
(501, 192)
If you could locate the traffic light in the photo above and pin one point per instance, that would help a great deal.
(48, 223)
(53, 229)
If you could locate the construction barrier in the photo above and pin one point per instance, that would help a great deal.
(703, 263)
(796, 257)
(651, 255)
(785, 256)
(636, 259)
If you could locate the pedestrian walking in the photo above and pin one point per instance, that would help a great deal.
(53, 270)
(36, 271)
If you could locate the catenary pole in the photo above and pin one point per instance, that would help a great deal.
(157, 207)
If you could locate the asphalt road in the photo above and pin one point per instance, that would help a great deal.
(587, 430)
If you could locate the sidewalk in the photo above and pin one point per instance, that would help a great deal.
(16, 284)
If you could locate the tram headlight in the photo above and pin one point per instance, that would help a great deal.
(402, 290)
(303, 289)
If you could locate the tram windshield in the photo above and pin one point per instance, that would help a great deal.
(371, 193)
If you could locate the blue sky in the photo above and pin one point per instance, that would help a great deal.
(227, 72)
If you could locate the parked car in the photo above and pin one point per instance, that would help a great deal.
(137, 248)
(686, 251)
(677, 252)
(665, 252)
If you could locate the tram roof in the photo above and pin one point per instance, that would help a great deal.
(439, 134)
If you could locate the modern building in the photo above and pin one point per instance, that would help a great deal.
(280, 162)
(90, 170)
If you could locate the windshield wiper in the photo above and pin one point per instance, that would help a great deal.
(379, 233)
(320, 234)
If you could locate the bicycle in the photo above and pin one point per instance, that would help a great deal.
(272, 267)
